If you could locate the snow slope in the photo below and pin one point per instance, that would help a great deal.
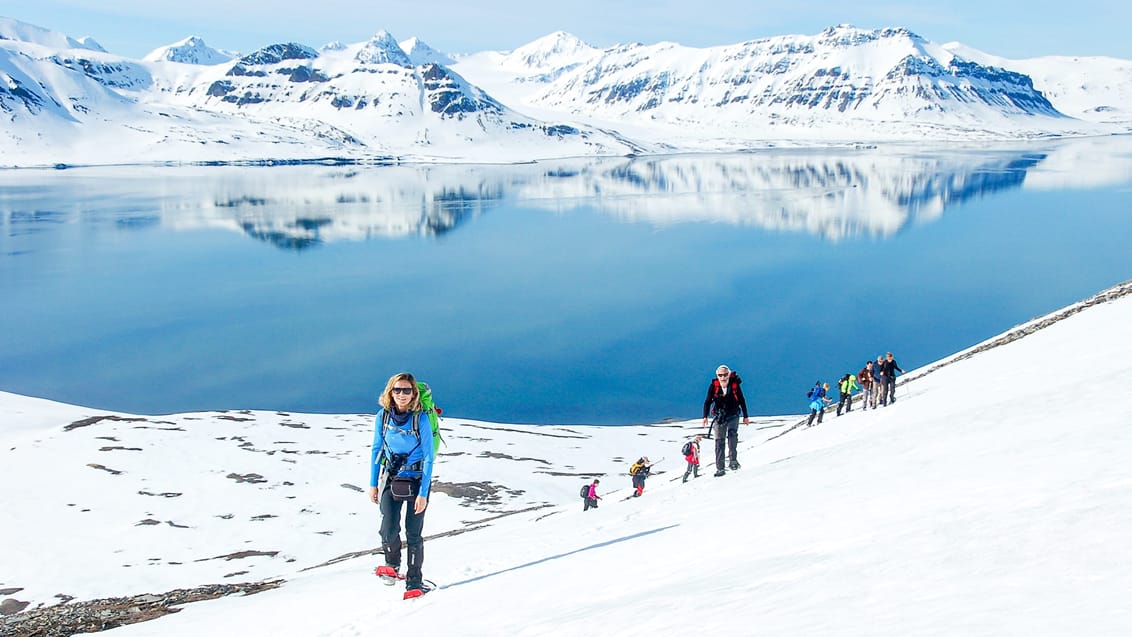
(990, 499)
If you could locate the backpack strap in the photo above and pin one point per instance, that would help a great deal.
(415, 424)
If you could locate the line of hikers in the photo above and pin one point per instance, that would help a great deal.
(726, 405)
(876, 381)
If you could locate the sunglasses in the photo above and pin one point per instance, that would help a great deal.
(723, 375)
(402, 390)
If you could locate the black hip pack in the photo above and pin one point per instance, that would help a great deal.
(403, 489)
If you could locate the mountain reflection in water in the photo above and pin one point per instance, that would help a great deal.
(587, 290)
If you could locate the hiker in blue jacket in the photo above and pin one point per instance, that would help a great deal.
(401, 472)
(818, 400)
(878, 382)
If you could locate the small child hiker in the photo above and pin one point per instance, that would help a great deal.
(640, 471)
(591, 496)
(692, 455)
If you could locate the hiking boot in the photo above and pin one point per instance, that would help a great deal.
(388, 574)
(416, 589)
(719, 473)
(734, 466)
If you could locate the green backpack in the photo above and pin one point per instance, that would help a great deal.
(433, 412)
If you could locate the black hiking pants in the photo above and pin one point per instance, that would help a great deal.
(391, 535)
(591, 503)
(846, 402)
(726, 439)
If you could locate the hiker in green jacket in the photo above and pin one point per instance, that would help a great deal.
(846, 386)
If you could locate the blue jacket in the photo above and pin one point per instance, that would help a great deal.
(816, 396)
(396, 439)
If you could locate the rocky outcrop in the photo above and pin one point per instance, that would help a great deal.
(63, 620)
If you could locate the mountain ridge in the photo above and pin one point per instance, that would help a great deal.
(554, 97)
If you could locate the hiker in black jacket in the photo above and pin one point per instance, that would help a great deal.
(725, 401)
(888, 391)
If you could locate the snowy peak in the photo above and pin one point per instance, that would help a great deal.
(88, 42)
(420, 53)
(554, 51)
(276, 53)
(23, 32)
(847, 35)
(191, 50)
(382, 48)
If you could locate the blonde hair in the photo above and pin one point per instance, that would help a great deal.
(386, 398)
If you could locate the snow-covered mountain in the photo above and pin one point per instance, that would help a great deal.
(191, 50)
(15, 30)
(555, 97)
(978, 503)
(365, 102)
(876, 84)
(554, 53)
(1089, 88)
(420, 53)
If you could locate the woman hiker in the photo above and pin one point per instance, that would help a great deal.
(401, 473)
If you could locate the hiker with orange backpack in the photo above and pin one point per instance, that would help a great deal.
(726, 401)
(640, 470)
(401, 462)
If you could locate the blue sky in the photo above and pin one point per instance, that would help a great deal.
(1009, 28)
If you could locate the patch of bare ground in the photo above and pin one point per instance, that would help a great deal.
(494, 454)
(251, 478)
(239, 555)
(563, 474)
(62, 620)
(471, 493)
(521, 431)
(86, 422)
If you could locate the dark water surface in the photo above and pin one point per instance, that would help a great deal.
(587, 291)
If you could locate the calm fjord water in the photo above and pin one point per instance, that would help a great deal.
(585, 291)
